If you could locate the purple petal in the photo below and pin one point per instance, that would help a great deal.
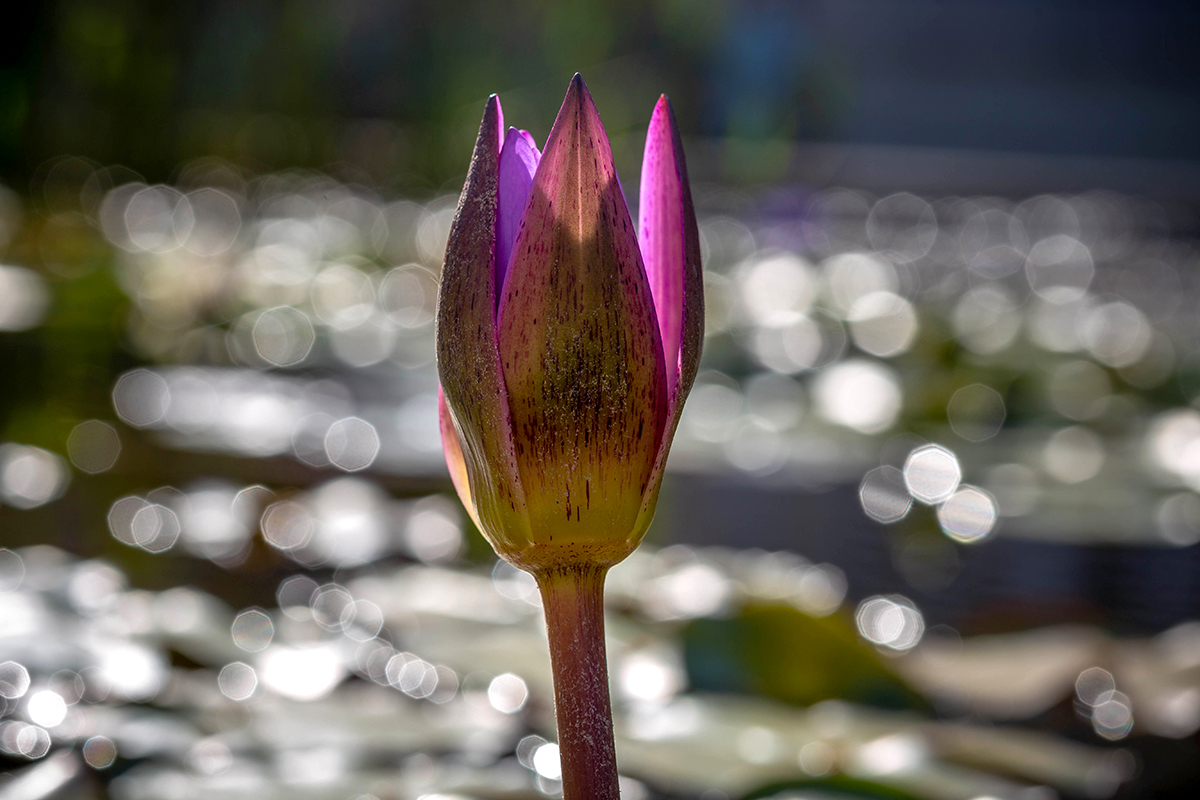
(579, 342)
(670, 242)
(518, 161)
(661, 231)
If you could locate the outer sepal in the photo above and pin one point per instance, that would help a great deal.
(467, 349)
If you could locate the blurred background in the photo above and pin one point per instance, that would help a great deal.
(932, 523)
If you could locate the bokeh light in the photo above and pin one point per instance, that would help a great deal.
(1073, 454)
(1078, 389)
(237, 681)
(892, 622)
(282, 336)
(507, 693)
(24, 298)
(154, 528)
(287, 525)
(546, 761)
(817, 759)
(93, 446)
(883, 324)
(1112, 717)
(99, 752)
(352, 444)
(252, 630)
(853, 276)
(903, 226)
(14, 680)
(862, 395)
(12, 570)
(1178, 519)
(884, 495)
(46, 708)
(976, 412)
(931, 473)
(985, 319)
(650, 677)
(1059, 269)
(434, 533)
(140, 398)
(777, 288)
(299, 672)
(1094, 686)
(30, 476)
(968, 515)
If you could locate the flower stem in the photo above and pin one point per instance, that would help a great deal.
(573, 602)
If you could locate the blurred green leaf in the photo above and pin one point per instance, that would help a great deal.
(780, 652)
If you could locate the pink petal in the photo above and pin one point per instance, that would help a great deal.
(455, 462)
(662, 230)
(518, 161)
(579, 341)
(670, 241)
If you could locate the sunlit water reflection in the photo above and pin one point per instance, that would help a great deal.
(968, 363)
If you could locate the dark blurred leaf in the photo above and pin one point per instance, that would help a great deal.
(780, 652)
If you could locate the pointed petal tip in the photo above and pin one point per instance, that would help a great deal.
(663, 112)
(578, 92)
(524, 134)
(493, 111)
(579, 102)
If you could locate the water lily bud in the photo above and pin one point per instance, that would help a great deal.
(566, 340)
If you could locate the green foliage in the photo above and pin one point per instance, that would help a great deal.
(837, 787)
(781, 652)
